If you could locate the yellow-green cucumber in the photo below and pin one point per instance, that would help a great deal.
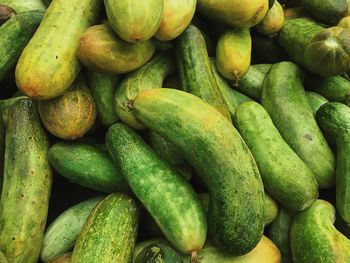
(218, 153)
(48, 65)
(27, 184)
(273, 21)
(3, 259)
(271, 209)
(21, 6)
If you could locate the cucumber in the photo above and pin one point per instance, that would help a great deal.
(63, 259)
(88, 166)
(285, 175)
(3, 258)
(140, 246)
(109, 234)
(5, 105)
(48, 65)
(21, 6)
(278, 232)
(132, 20)
(322, 51)
(271, 209)
(233, 53)
(263, 68)
(6, 13)
(149, 76)
(195, 70)
(103, 87)
(345, 22)
(2, 151)
(218, 153)
(61, 234)
(177, 15)
(295, 12)
(179, 214)
(273, 21)
(334, 119)
(315, 100)
(122, 56)
(326, 11)
(157, 253)
(27, 184)
(14, 36)
(284, 99)
(71, 115)
(314, 238)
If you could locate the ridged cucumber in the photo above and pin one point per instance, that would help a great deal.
(315, 100)
(218, 153)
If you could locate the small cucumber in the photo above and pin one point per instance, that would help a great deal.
(315, 100)
(63, 259)
(61, 234)
(109, 234)
(179, 214)
(21, 6)
(273, 21)
(271, 209)
(251, 83)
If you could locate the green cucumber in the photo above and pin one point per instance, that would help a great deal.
(218, 153)
(284, 99)
(285, 175)
(61, 234)
(2, 150)
(86, 165)
(103, 87)
(179, 214)
(21, 6)
(315, 100)
(251, 83)
(273, 21)
(195, 70)
(48, 65)
(158, 253)
(6, 12)
(263, 68)
(3, 258)
(27, 184)
(62, 259)
(109, 234)
(314, 238)
(5, 105)
(149, 76)
(334, 119)
(322, 51)
(271, 209)
(14, 36)
(140, 246)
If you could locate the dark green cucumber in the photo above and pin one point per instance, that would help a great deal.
(109, 234)
(14, 36)
(195, 71)
(27, 184)
(140, 246)
(334, 119)
(158, 253)
(61, 234)
(172, 203)
(21, 6)
(315, 100)
(285, 175)
(218, 153)
(324, 52)
(149, 76)
(314, 238)
(86, 165)
(284, 99)
(6, 12)
(278, 232)
(326, 11)
(5, 106)
(103, 87)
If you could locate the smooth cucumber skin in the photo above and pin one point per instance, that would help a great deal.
(263, 68)
(177, 15)
(345, 22)
(61, 234)
(251, 83)
(149, 76)
(218, 153)
(103, 87)
(195, 70)
(87, 165)
(158, 253)
(48, 65)
(314, 238)
(173, 203)
(233, 53)
(286, 177)
(27, 184)
(14, 36)
(133, 20)
(334, 119)
(273, 21)
(109, 234)
(315, 100)
(21, 6)
(3, 258)
(271, 209)
(284, 98)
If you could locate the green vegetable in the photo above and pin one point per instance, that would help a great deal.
(21, 6)
(273, 21)
(315, 100)
(6, 13)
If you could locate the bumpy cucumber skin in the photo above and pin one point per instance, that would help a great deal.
(315, 100)
(21, 6)
(284, 99)
(195, 70)
(133, 20)
(173, 204)
(48, 65)
(216, 150)
(86, 165)
(334, 119)
(109, 234)
(285, 175)
(61, 234)
(27, 184)
(150, 76)
(14, 36)
(103, 87)
(314, 238)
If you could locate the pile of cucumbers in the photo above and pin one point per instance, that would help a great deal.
(179, 131)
